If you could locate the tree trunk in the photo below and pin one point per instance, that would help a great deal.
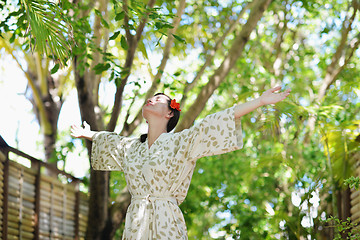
(99, 180)
(47, 103)
(98, 204)
(52, 111)
(117, 213)
(344, 207)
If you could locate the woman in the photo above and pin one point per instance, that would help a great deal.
(158, 167)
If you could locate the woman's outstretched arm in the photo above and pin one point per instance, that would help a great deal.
(268, 97)
(82, 132)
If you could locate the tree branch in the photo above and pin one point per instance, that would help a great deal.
(126, 21)
(128, 112)
(129, 128)
(100, 35)
(282, 27)
(228, 63)
(127, 66)
(266, 62)
(86, 104)
(210, 56)
(333, 69)
(40, 74)
(141, 26)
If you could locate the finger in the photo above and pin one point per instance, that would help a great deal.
(276, 89)
(86, 126)
(285, 94)
(75, 127)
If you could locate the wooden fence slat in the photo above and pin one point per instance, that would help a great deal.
(16, 168)
(26, 228)
(26, 215)
(17, 194)
(15, 209)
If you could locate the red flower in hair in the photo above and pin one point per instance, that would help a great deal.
(175, 105)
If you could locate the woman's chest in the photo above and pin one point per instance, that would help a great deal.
(158, 163)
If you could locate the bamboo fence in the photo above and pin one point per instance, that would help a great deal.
(36, 206)
(355, 198)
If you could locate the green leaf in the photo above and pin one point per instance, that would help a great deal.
(179, 38)
(12, 39)
(123, 43)
(352, 182)
(55, 68)
(101, 67)
(105, 23)
(158, 25)
(120, 16)
(124, 73)
(102, 20)
(97, 12)
(112, 75)
(117, 81)
(142, 49)
(115, 35)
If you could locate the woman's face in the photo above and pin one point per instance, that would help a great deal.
(157, 106)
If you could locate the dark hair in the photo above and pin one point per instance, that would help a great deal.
(172, 121)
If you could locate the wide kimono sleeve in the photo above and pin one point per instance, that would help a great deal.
(217, 133)
(108, 151)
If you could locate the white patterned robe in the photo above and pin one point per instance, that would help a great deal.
(158, 177)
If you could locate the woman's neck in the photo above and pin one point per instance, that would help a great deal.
(155, 130)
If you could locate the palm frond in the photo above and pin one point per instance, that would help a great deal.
(342, 146)
(49, 30)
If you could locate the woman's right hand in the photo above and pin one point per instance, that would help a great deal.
(82, 132)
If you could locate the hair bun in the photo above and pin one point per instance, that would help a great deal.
(143, 138)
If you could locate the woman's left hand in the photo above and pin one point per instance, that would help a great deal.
(270, 97)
